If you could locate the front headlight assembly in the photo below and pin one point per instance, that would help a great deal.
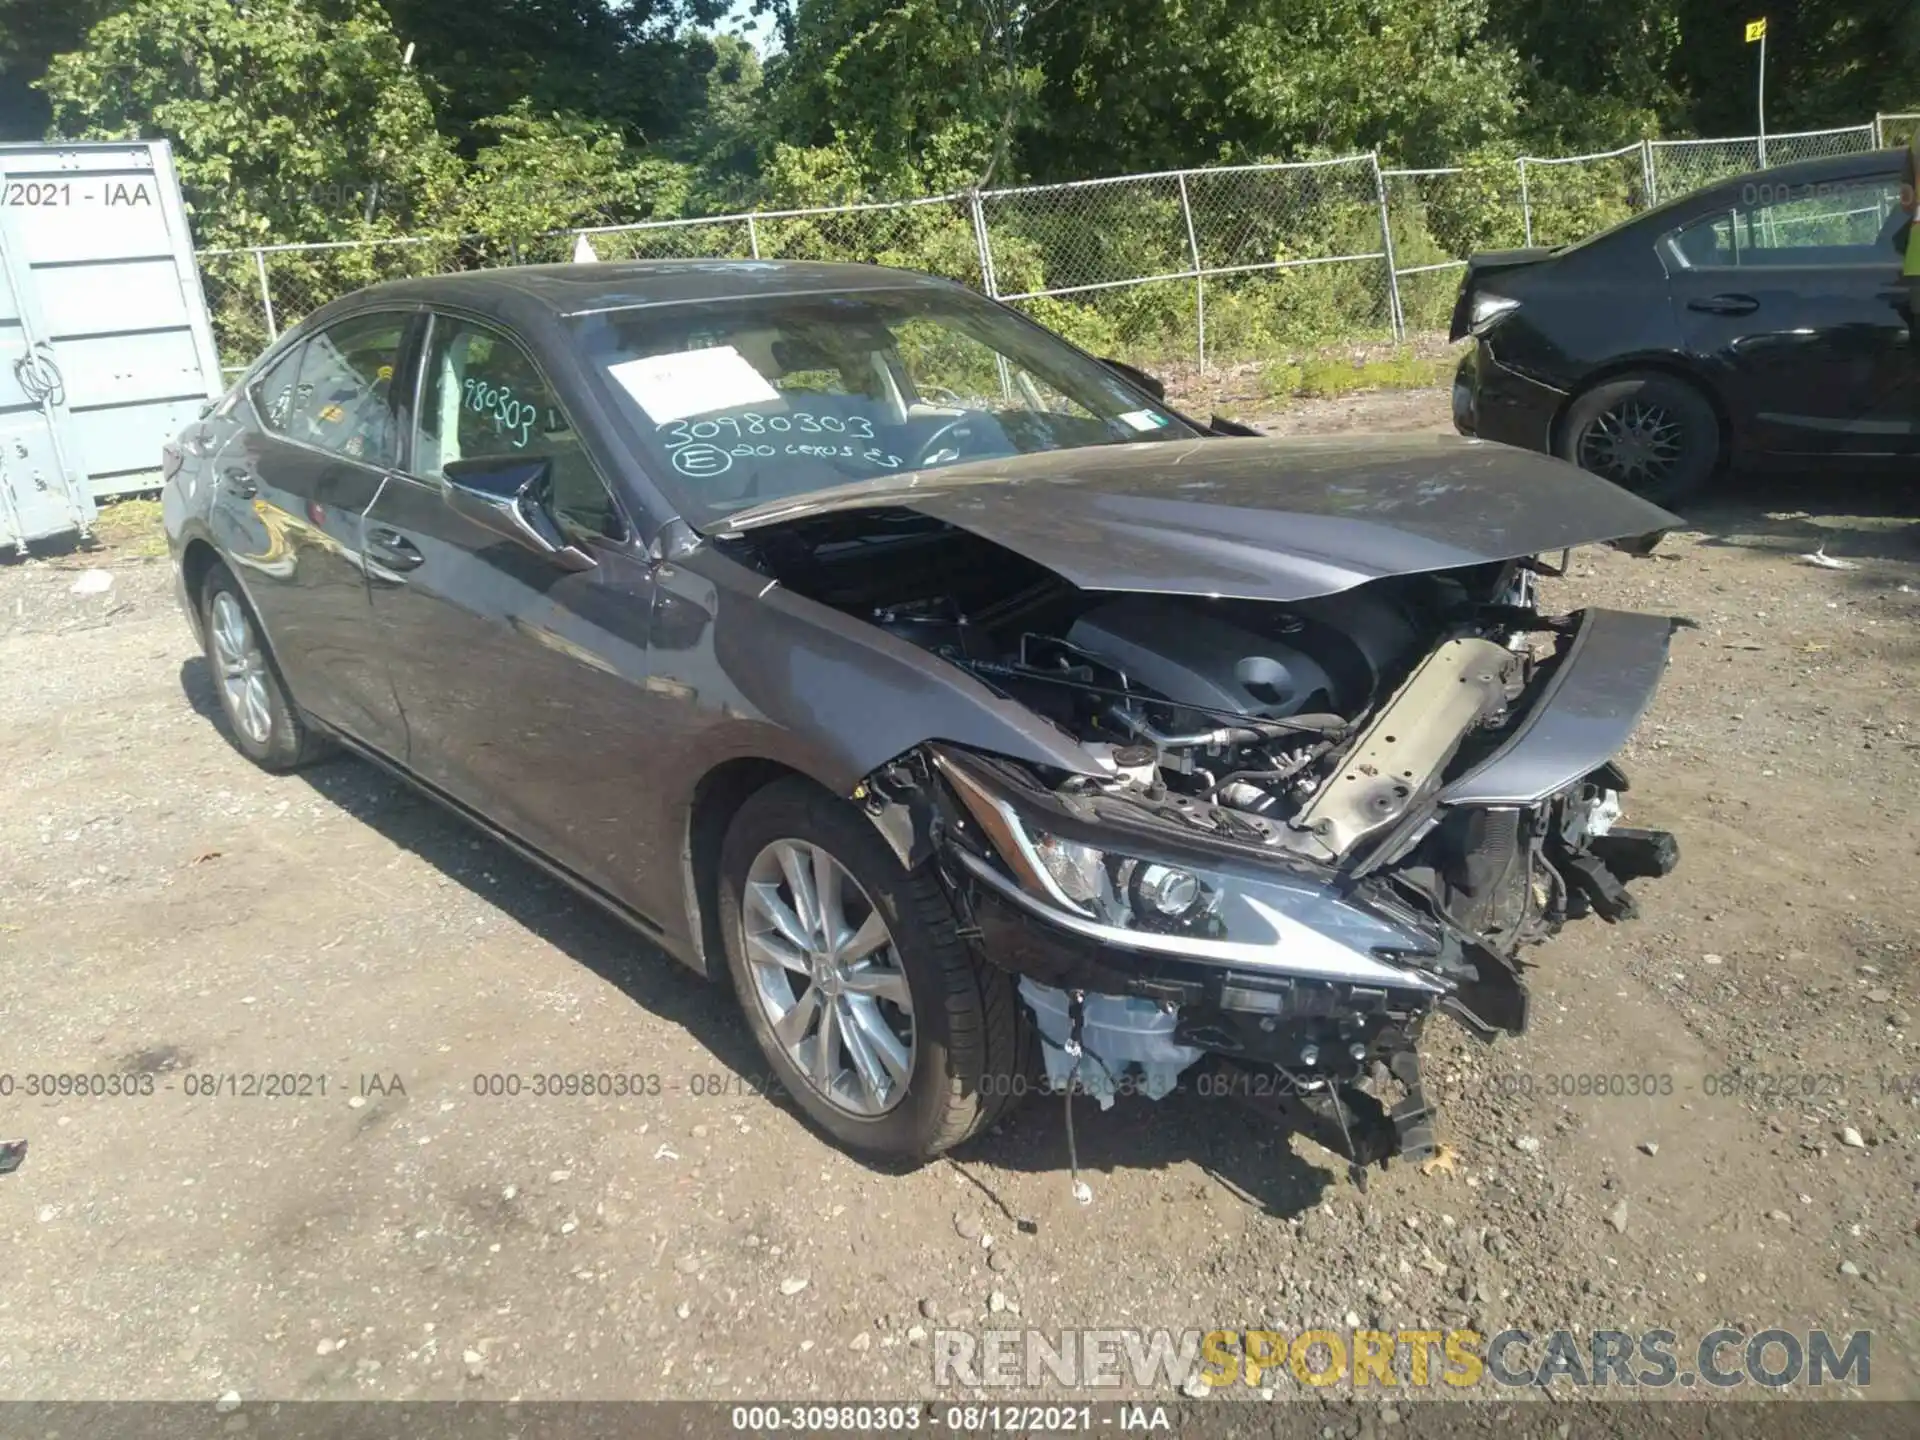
(1232, 913)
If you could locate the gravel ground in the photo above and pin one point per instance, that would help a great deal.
(167, 911)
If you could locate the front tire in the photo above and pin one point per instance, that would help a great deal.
(262, 720)
(869, 1006)
(1653, 434)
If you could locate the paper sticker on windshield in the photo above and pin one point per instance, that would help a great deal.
(1144, 419)
(692, 382)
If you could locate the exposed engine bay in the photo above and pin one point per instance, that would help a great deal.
(1361, 781)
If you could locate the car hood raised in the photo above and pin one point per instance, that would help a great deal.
(1254, 519)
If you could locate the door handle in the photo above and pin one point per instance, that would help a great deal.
(240, 481)
(1725, 304)
(395, 551)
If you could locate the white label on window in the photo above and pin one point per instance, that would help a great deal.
(692, 382)
(1143, 419)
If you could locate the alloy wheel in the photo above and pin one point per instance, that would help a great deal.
(243, 668)
(1635, 444)
(827, 977)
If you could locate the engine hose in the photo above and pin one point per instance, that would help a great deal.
(1271, 776)
(1226, 735)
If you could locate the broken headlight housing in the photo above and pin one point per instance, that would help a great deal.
(1264, 918)
(1122, 889)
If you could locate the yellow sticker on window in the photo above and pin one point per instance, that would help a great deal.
(332, 413)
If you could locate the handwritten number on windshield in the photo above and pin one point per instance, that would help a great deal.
(692, 448)
(686, 432)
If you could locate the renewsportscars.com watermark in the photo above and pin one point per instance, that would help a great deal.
(1147, 1359)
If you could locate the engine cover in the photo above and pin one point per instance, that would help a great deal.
(1194, 658)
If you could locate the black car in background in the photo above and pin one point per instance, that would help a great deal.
(859, 641)
(1762, 321)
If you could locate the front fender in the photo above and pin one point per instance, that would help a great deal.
(827, 693)
(746, 678)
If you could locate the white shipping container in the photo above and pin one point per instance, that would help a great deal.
(105, 348)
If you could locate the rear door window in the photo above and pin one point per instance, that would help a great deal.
(1832, 222)
(335, 391)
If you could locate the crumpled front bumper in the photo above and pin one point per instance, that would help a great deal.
(1294, 1046)
(1325, 997)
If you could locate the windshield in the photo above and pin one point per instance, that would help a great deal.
(740, 402)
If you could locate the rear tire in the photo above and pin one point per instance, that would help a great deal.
(262, 720)
(954, 1057)
(1653, 434)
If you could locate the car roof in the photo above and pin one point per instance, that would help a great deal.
(1826, 167)
(561, 290)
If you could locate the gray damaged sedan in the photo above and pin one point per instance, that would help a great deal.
(988, 723)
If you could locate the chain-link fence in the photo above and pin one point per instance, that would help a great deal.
(1218, 263)
(1895, 129)
(1567, 198)
(934, 234)
(1682, 165)
(254, 294)
(1439, 217)
(1222, 262)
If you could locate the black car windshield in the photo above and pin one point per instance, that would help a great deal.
(742, 402)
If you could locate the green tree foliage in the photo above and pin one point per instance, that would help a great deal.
(626, 64)
(894, 80)
(639, 109)
(1829, 62)
(287, 117)
(32, 32)
(1079, 87)
(1141, 84)
(542, 173)
(723, 135)
(1594, 73)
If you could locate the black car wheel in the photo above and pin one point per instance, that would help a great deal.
(1652, 434)
(856, 983)
(262, 720)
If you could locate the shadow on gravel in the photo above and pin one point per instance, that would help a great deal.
(196, 683)
(1252, 1156)
(1856, 517)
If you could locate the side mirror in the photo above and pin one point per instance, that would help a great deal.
(507, 495)
(1133, 373)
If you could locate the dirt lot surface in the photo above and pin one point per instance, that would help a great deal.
(169, 911)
